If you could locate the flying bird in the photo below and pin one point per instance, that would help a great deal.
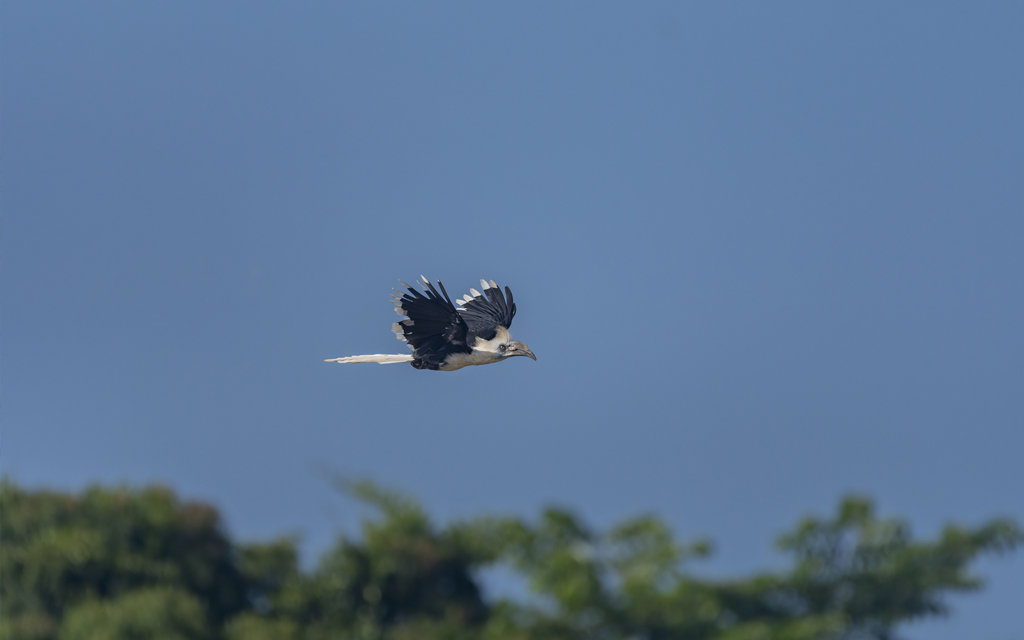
(446, 337)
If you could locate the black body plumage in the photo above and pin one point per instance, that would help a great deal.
(436, 329)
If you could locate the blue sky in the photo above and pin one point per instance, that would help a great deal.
(766, 254)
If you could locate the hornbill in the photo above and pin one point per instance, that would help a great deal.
(445, 337)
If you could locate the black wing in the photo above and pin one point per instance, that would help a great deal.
(433, 328)
(485, 312)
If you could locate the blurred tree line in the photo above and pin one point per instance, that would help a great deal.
(139, 564)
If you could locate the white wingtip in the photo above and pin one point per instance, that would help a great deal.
(476, 294)
(484, 285)
(399, 332)
(493, 286)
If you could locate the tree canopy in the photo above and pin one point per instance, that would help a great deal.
(133, 564)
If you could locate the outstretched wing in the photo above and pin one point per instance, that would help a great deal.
(485, 312)
(433, 327)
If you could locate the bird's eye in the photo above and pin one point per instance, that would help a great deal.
(502, 347)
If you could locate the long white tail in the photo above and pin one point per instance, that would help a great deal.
(382, 358)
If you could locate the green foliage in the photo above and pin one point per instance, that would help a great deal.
(871, 572)
(59, 551)
(141, 564)
(403, 572)
(159, 613)
(251, 626)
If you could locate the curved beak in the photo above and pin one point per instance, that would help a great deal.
(520, 349)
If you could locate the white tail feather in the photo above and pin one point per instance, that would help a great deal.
(382, 358)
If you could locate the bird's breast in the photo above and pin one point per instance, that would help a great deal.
(476, 357)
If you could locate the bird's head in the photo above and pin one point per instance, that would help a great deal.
(514, 348)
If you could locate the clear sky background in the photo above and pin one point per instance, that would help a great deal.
(767, 255)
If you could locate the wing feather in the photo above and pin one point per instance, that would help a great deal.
(434, 329)
(485, 313)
